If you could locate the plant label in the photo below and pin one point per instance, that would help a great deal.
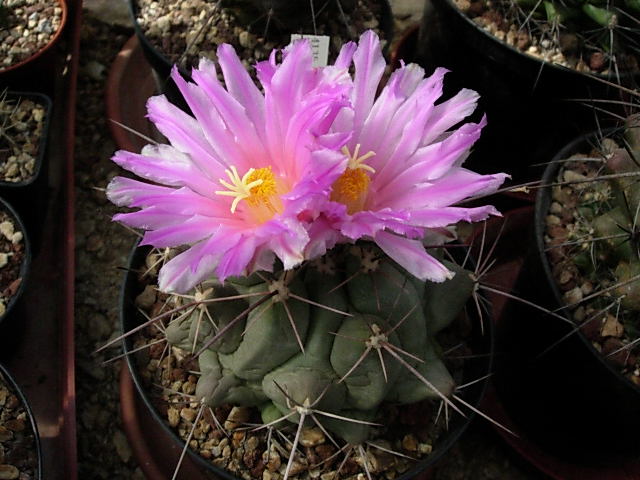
(319, 47)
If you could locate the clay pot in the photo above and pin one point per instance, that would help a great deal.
(30, 64)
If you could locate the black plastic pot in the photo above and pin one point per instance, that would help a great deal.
(26, 261)
(13, 386)
(527, 100)
(161, 64)
(45, 101)
(569, 399)
(473, 394)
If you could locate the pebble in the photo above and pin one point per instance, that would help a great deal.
(122, 446)
(40, 28)
(9, 472)
(612, 327)
(310, 437)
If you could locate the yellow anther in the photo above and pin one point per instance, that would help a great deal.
(352, 186)
(259, 187)
(240, 188)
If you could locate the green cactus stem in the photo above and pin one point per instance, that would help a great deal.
(342, 341)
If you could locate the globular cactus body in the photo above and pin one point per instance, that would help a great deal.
(366, 329)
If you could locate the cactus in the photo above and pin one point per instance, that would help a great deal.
(594, 243)
(621, 218)
(344, 340)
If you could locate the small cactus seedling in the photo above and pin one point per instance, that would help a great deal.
(593, 243)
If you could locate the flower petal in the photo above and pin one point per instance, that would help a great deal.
(411, 255)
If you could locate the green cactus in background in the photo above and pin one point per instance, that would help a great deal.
(610, 27)
(338, 338)
(593, 243)
(619, 224)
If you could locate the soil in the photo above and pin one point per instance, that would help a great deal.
(174, 31)
(580, 269)
(221, 435)
(540, 40)
(11, 258)
(21, 129)
(26, 26)
(18, 451)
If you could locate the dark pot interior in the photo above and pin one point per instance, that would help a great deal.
(475, 369)
(569, 399)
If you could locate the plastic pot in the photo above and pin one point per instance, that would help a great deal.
(473, 394)
(568, 399)
(162, 65)
(44, 101)
(8, 380)
(26, 260)
(527, 100)
(29, 196)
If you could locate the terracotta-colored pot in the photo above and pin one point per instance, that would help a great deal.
(12, 70)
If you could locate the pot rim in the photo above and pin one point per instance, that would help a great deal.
(440, 448)
(543, 201)
(46, 102)
(54, 39)
(8, 378)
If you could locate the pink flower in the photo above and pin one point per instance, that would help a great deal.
(237, 181)
(404, 172)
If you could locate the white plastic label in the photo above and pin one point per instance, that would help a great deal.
(319, 47)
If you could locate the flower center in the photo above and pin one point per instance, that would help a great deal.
(258, 187)
(352, 187)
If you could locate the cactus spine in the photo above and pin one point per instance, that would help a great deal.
(341, 335)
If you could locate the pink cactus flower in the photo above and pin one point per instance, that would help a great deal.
(238, 179)
(404, 171)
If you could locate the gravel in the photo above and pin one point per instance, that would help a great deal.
(21, 128)
(184, 30)
(26, 27)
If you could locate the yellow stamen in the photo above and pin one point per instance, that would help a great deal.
(352, 187)
(258, 187)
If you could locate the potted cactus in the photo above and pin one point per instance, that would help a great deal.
(530, 63)
(295, 298)
(24, 125)
(180, 33)
(585, 349)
